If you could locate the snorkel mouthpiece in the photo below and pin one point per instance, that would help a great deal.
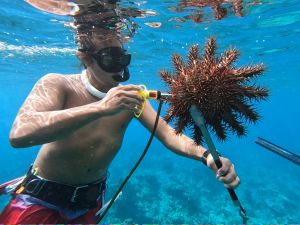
(122, 78)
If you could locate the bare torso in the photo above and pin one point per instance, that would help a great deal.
(84, 155)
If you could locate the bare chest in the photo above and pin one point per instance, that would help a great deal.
(84, 154)
(106, 130)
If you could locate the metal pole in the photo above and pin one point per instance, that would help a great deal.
(200, 122)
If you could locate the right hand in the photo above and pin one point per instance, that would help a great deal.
(226, 174)
(122, 98)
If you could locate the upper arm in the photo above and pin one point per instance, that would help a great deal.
(164, 132)
(48, 94)
(179, 144)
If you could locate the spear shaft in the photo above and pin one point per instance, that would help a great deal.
(200, 122)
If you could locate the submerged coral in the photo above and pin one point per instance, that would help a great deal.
(216, 6)
(221, 92)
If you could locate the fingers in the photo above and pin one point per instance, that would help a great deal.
(233, 184)
(131, 95)
(227, 174)
(226, 165)
(136, 108)
(125, 97)
(131, 100)
(130, 87)
(129, 91)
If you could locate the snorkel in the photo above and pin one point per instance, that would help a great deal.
(124, 77)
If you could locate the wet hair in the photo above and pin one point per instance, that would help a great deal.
(98, 22)
(93, 24)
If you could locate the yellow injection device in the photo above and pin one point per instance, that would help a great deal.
(150, 94)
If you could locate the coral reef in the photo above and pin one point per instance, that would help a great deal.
(221, 92)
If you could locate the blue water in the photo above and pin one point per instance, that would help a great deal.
(167, 188)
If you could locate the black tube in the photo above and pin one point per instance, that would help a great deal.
(135, 165)
(279, 150)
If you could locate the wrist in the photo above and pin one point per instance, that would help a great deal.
(206, 154)
(101, 109)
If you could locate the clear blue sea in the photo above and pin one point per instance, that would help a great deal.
(168, 188)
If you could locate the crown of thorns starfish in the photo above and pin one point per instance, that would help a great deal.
(222, 93)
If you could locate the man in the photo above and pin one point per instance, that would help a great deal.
(80, 120)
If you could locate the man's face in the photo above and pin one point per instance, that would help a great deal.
(112, 60)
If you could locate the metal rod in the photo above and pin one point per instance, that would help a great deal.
(200, 122)
(279, 150)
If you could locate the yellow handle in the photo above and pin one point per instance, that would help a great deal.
(144, 94)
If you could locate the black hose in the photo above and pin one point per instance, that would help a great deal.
(136, 165)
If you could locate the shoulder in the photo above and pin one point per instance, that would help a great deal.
(53, 77)
(54, 80)
(63, 84)
(50, 85)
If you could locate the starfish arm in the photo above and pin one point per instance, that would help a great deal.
(231, 119)
(169, 115)
(178, 64)
(249, 71)
(228, 57)
(166, 77)
(197, 135)
(218, 128)
(209, 53)
(255, 93)
(245, 111)
(193, 56)
(181, 123)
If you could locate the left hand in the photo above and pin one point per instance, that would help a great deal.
(226, 173)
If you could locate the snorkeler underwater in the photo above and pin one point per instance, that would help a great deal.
(93, 110)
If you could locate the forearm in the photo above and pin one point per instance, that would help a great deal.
(184, 146)
(179, 144)
(34, 128)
